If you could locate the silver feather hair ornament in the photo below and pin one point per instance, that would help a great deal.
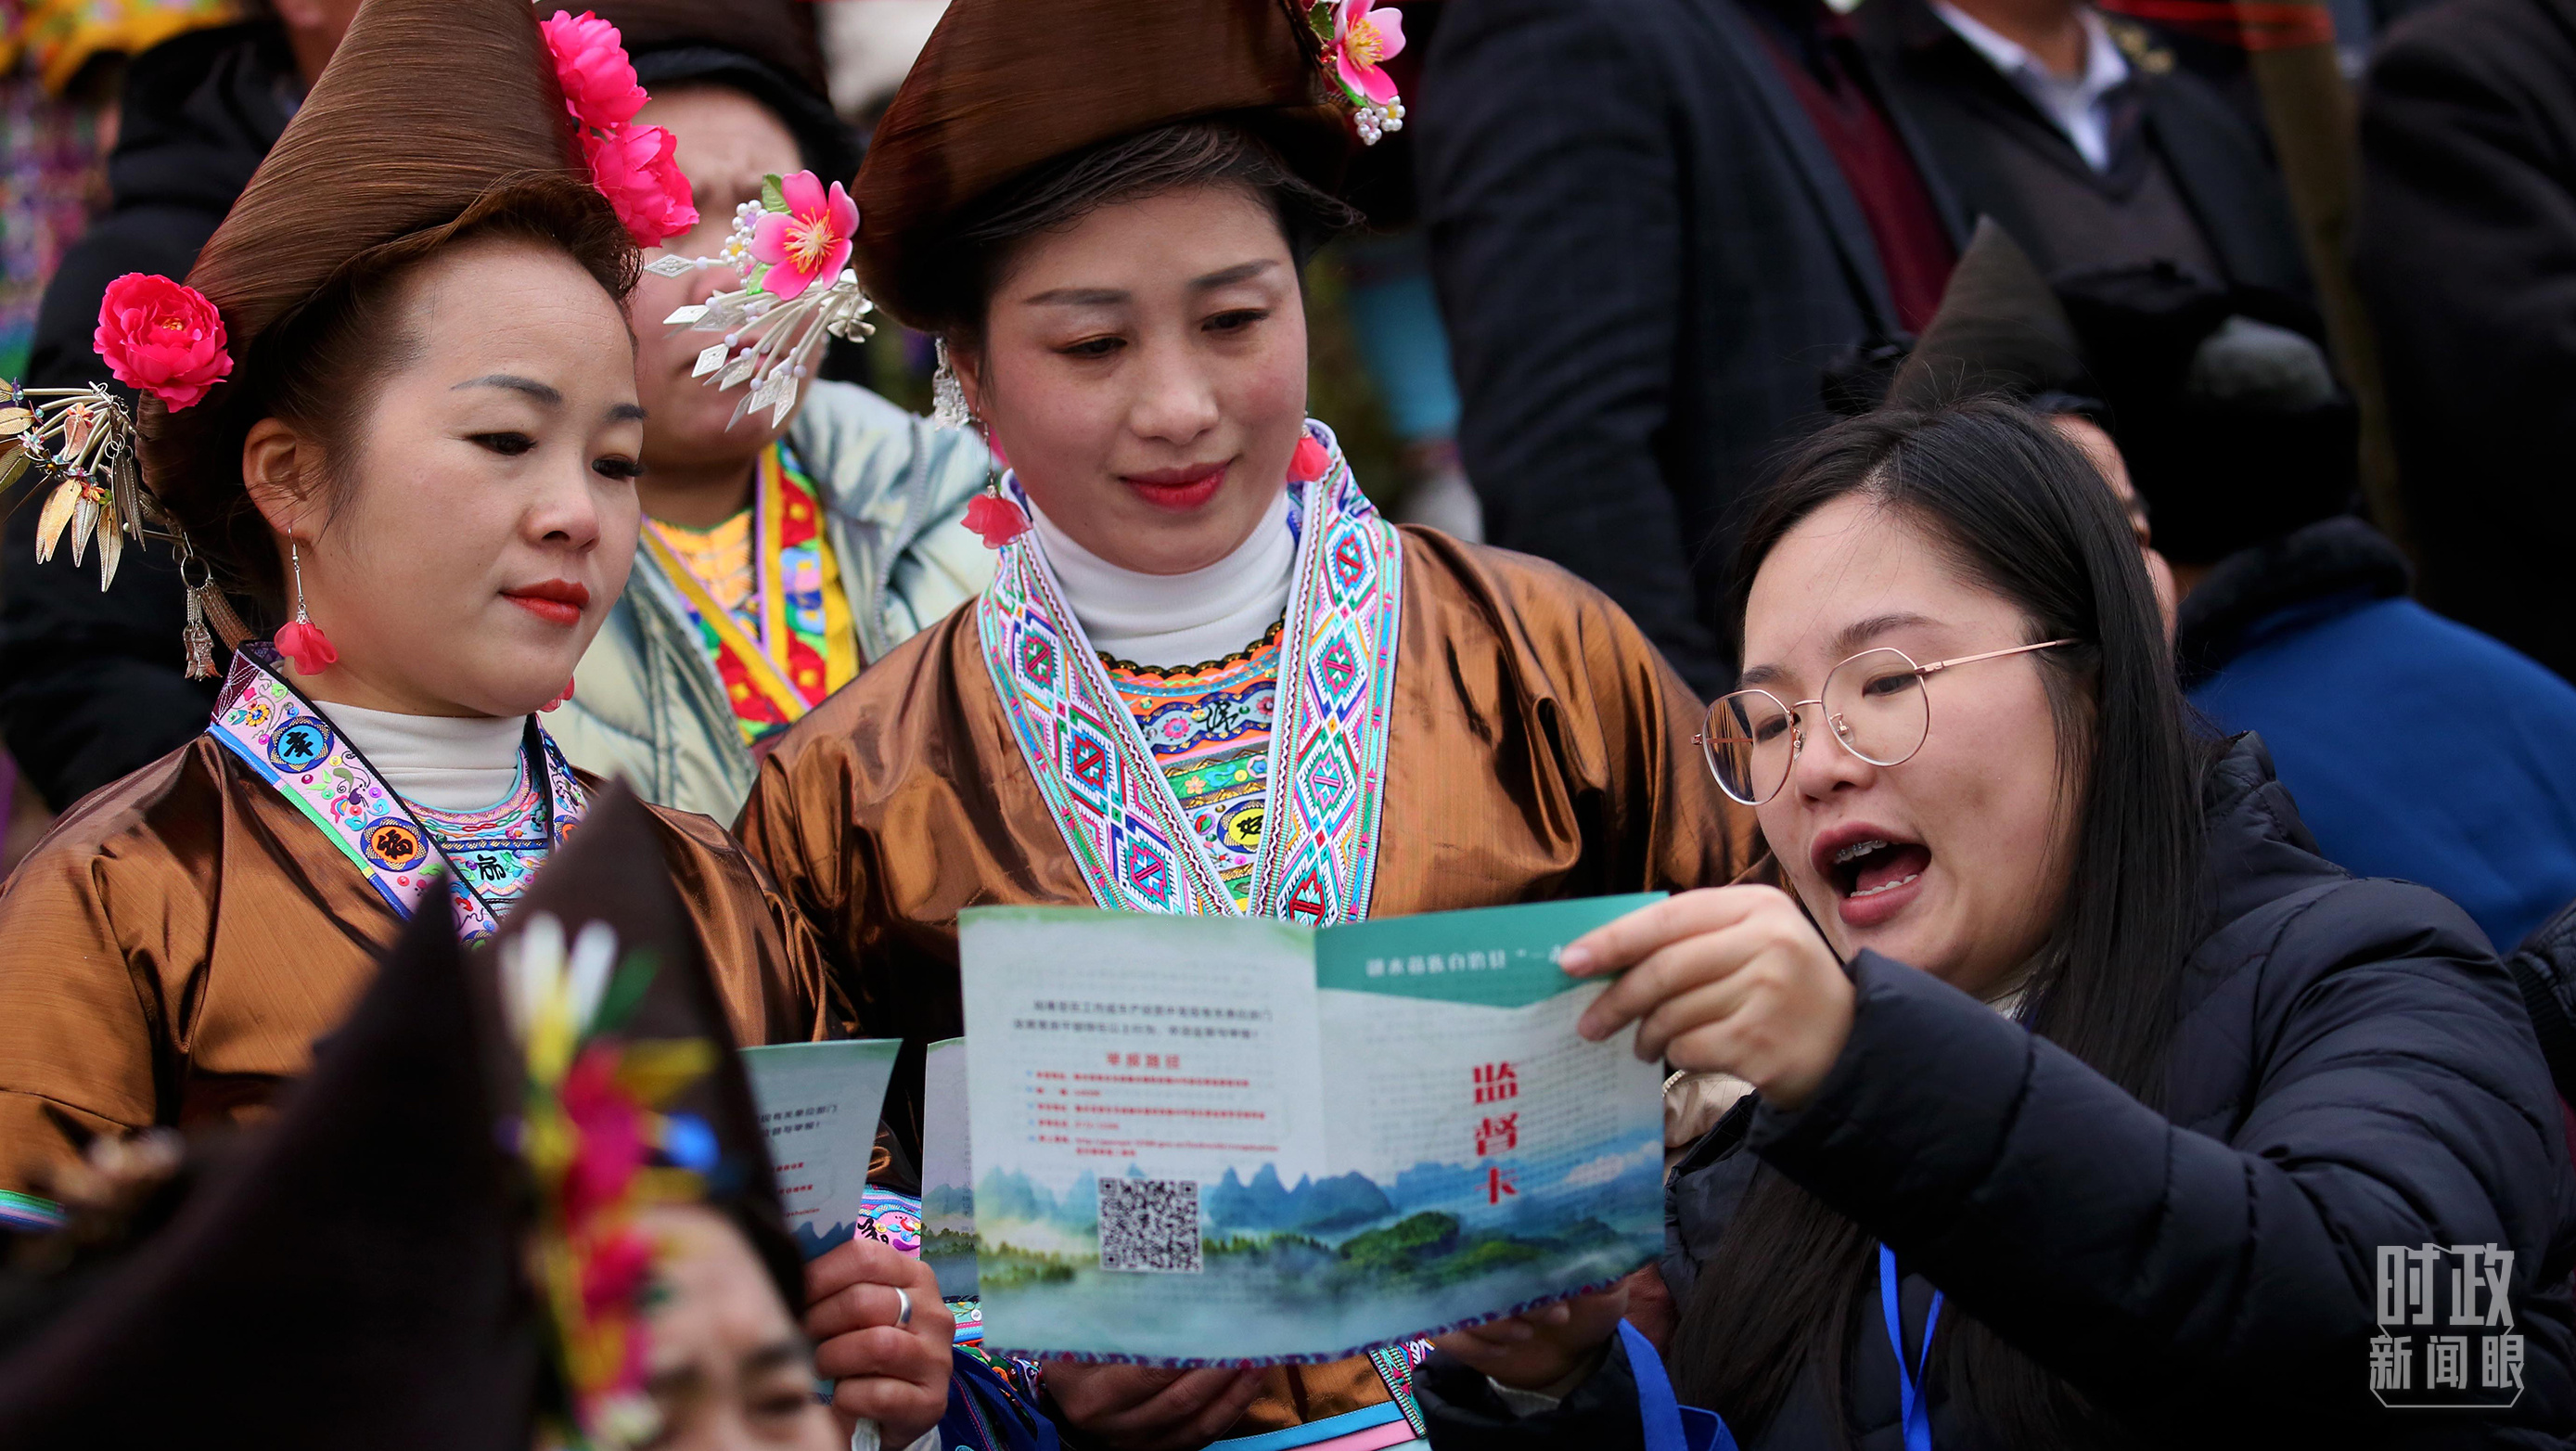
(791, 248)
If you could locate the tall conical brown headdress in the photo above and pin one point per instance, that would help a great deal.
(357, 1274)
(767, 49)
(427, 109)
(1004, 86)
(777, 33)
(2000, 328)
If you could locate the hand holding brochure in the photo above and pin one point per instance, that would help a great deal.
(1224, 1140)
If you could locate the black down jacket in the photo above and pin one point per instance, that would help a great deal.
(90, 680)
(2351, 1068)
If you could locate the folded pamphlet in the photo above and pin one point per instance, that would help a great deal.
(1204, 1140)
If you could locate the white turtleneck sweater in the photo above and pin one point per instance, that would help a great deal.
(446, 763)
(1168, 620)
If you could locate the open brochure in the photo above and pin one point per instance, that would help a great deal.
(1220, 1139)
(947, 1171)
(819, 1104)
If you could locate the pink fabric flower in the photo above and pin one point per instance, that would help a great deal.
(1364, 36)
(162, 337)
(307, 646)
(590, 60)
(997, 519)
(1311, 461)
(632, 167)
(808, 242)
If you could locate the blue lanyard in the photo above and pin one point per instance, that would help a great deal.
(1918, 1415)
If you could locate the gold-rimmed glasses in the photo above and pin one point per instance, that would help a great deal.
(1874, 703)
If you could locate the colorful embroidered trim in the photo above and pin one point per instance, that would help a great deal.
(1136, 847)
(28, 1214)
(499, 848)
(1209, 728)
(798, 643)
(1370, 1428)
(291, 745)
(1395, 1364)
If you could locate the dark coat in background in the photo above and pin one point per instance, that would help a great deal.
(90, 682)
(2417, 747)
(1965, 111)
(2465, 251)
(2351, 1067)
(1648, 261)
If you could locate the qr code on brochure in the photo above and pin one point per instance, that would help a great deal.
(1149, 1224)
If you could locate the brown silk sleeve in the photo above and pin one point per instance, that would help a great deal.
(1619, 723)
(77, 1037)
(801, 853)
(1693, 834)
(766, 961)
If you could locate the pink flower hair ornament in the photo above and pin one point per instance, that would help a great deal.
(77, 445)
(631, 165)
(807, 242)
(1358, 37)
(163, 338)
(590, 62)
(792, 250)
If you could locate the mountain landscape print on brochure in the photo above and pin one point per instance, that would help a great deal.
(1320, 1268)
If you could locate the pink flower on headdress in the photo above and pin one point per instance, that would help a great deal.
(611, 1147)
(1363, 37)
(807, 243)
(632, 167)
(590, 60)
(162, 337)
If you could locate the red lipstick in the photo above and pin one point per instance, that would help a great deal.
(555, 601)
(1178, 490)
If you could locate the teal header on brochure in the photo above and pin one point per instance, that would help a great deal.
(1495, 957)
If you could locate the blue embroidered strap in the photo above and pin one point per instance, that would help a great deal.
(1909, 1385)
(1395, 1365)
(291, 744)
(1327, 768)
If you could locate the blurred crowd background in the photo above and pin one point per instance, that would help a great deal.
(2307, 273)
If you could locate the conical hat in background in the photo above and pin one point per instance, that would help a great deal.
(611, 871)
(767, 49)
(355, 1274)
(425, 107)
(1006, 85)
(349, 1276)
(778, 33)
(2000, 329)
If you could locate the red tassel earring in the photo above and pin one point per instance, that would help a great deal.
(995, 518)
(1311, 461)
(560, 699)
(299, 639)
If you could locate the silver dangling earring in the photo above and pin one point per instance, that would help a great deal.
(947, 395)
(295, 561)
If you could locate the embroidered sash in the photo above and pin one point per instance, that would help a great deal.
(806, 644)
(293, 747)
(1327, 763)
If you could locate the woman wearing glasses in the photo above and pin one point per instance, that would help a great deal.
(2072, 1059)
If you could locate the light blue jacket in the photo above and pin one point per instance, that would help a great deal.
(648, 704)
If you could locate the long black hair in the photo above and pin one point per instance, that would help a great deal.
(2021, 511)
